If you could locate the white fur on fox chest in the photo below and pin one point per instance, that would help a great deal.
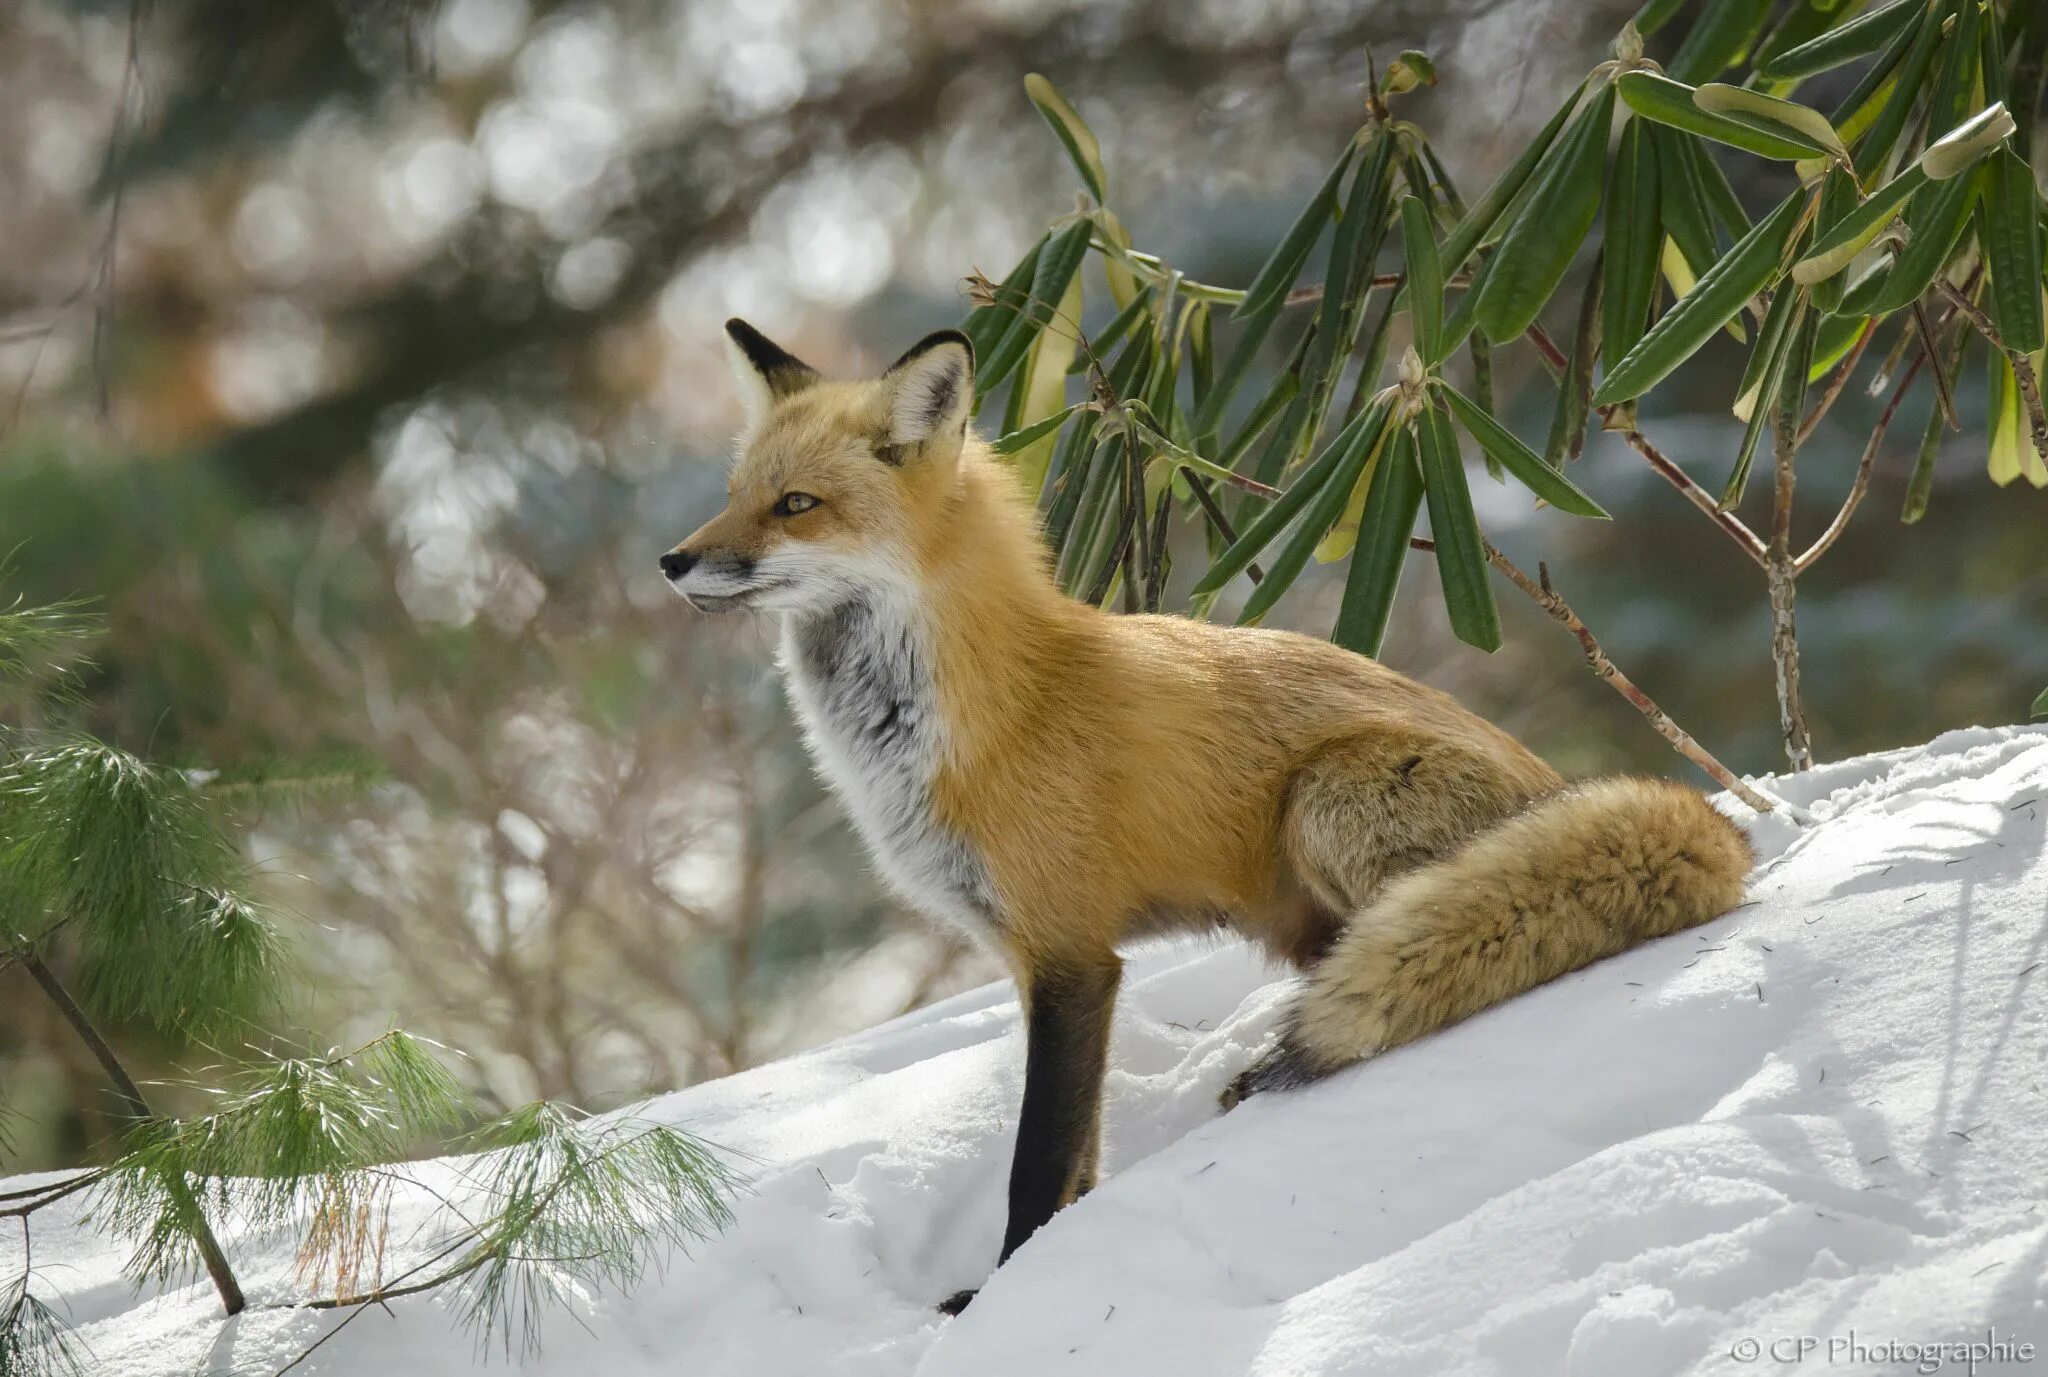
(860, 680)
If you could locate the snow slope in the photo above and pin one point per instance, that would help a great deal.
(1820, 1114)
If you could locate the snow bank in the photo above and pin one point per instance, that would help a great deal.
(1819, 1116)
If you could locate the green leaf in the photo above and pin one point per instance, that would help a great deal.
(1673, 103)
(1040, 388)
(1201, 352)
(1517, 458)
(2012, 453)
(1460, 549)
(1859, 109)
(1283, 509)
(1920, 487)
(1718, 39)
(1458, 325)
(1858, 297)
(987, 324)
(1425, 279)
(1285, 389)
(1839, 243)
(1785, 118)
(1861, 36)
(1713, 184)
(1112, 334)
(1682, 201)
(1654, 15)
(1723, 291)
(1160, 442)
(1955, 85)
(1069, 478)
(1832, 341)
(1375, 574)
(1761, 381)
(2009, 227)
(1410, 69)
(1965, 145)
(1276, 278)
(1073, 132)
(1036, 431)
(1342, 537)
(1575, 388)
(1629, 256)
(1937, 218)
(1797, 25)
(1355, 446)
(2040, 707)
(1056, 268)
(1077, 541)
(1546, 234)
(1353, 249)
(1875, 147)
(1209, 415)
(1991, 57)
(1478, 224)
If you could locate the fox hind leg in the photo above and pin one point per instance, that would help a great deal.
(1359, 813)
(1576, 877)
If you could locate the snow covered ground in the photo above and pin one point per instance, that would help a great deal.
(1819, 1117)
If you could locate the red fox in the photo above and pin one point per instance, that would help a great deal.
(1058, 780)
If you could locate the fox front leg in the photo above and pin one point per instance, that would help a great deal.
(1067, 1051)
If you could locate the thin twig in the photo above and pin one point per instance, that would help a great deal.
(1199, 486)
(1929, 334)
(1156, 547)
(1116, 558)
(51, 1194)
(2022, 366)
(1838, 382)
(1863, 468)
(1731, 525)
(1548, 598)
(1313, 292)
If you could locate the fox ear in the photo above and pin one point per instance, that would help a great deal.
(931, 390)
(766, 371)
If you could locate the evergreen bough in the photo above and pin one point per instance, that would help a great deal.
(122, 873)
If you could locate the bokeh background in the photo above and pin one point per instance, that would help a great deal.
(357, 357)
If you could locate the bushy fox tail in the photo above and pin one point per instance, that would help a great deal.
(1577, 876)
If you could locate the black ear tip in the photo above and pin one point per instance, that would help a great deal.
(740, 331)
(934, 340)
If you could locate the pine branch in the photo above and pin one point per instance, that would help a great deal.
(35, 1341)
(128, 854)
(36, 640)
(191, 1221)
(571, 1200)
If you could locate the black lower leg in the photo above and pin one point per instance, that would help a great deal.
(1068, 1034)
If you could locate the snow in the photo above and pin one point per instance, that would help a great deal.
(1816, 1119)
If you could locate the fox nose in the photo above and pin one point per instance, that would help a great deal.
(676, 563)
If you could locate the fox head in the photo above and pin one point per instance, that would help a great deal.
(837, 485)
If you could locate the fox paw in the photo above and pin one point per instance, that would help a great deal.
(955, 1303)
(1286, 1067)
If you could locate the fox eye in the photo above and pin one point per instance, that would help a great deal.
(794, 503)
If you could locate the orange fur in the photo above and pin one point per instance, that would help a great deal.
(1115, 776)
